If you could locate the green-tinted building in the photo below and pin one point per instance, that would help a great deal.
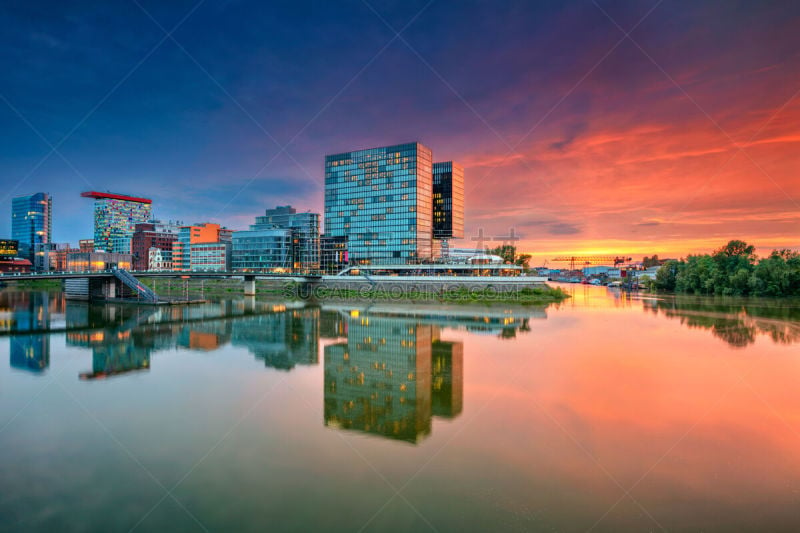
(381, 200)
(32, 226)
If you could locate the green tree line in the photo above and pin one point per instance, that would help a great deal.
(733, 270)
(510, 255)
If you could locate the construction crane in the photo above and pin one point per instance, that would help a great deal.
(592, 259)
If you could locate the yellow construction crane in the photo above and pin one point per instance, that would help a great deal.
(592, 260)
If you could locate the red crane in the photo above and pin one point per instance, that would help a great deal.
(593, 260)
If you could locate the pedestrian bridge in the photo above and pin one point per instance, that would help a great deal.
(119, 284)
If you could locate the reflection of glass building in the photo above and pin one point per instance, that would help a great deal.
(31, 225)
(30, 315)
(380, 199)
(110, 359)
(205, 336)
(115, 219)
(118, 345)
(283, 340)
(447, 369)
(389, 376)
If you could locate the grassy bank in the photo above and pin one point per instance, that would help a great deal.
(233, 288)
(35, 284)
(463, 295)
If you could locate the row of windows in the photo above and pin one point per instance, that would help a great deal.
(393, 152)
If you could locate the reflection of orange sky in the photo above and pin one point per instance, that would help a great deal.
(636, 391)
(663, 174)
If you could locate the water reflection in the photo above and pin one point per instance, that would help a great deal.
(25, 312)
(283, 339)
(737, 323)
(391, 377)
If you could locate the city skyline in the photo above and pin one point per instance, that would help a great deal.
(672, 141)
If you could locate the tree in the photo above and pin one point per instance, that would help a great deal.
(648, 262)
(737, 248)
(506, 251)
(666, 276)
(735, 270)
(777, 275)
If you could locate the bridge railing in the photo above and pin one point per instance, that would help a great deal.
(129, 280)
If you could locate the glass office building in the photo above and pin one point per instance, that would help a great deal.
(32, 224)
(448, 200)
(115, 219)
(262, 250)
(190, 237)
(210, 256)
(304, 252)
(381, 200)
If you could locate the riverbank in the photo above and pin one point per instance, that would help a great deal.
(33, 284)
(525, 295)
(462, 295)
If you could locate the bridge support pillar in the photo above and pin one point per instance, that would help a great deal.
(110, 288)
(249, 285)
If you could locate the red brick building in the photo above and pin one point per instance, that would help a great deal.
(146, 236)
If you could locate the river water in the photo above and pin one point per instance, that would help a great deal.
(608, 412)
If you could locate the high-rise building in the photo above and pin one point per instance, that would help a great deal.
(448, 200)
(31, 225)
(381, 200)
(280, 239)
(115, 219)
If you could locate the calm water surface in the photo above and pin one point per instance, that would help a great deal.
(607, 412)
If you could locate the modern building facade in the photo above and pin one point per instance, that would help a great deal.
(210, 257)
(190, 237)
(448, 201)
(9, 248)
(262, 250)
(333, 253)
(57, 256)
(381, 200)
(150, 235)
(96, 261)
(32, 225)
(115, 219)
(282, 239)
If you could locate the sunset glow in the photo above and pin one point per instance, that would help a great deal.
(672, 140)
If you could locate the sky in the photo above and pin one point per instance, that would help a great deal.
(588, 127)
